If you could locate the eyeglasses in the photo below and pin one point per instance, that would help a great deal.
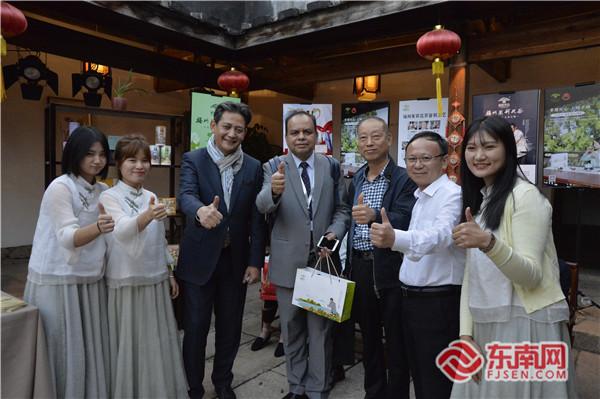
(424, 159)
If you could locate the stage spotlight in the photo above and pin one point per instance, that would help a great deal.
(30, 71)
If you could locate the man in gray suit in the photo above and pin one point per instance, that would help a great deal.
(301, 196)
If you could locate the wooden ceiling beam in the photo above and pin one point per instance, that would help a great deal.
(46, 37)
(539, 38)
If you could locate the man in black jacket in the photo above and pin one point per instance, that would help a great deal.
(377, 298)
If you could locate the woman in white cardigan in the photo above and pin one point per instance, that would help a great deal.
(66, 268)
(511, 292)
(145, 359)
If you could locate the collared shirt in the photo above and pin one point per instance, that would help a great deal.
(311, 168)
(373, 192)
(430, 257)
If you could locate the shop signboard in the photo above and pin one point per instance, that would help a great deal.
(572, 136)
(416, 116)
(521, 110)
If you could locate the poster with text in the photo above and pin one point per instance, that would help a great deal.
(572, 136)
(416, 116)
(521, 110)
(352, 114)
(323, 114)
(203, 109)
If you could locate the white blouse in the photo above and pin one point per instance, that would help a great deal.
(69, 203)
(134, 257)
(491, 294)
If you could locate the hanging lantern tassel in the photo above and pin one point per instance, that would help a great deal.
(3, 53)
(438, 45)
(437, 68)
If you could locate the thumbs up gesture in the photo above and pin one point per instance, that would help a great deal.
(382, 234)
(278, 180)
(361, 212)
(209, 215)
(156, 211)
(105, 222)
(469, 235)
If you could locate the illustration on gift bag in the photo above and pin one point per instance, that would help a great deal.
(324, 294)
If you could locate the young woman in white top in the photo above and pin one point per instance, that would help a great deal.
(145, 358)
(511, 292)
(66, 268)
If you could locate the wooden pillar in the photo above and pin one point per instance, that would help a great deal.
(457, 109)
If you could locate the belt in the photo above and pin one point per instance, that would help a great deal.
(364, 255)
(438, 291)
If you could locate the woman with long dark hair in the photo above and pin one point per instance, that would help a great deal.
(511, 292)
(67, 265)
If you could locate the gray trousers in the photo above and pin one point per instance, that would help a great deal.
(308, 347)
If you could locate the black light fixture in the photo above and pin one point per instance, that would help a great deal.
(93, 77)
(30, 71)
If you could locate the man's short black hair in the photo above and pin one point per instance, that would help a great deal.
(77, 147)
(431, 136)
(236, 108)
(296, 112)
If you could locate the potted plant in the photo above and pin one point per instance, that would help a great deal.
(119, 102)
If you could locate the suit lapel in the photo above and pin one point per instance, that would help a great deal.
(321, 170)
(295, 182)
(214, 180)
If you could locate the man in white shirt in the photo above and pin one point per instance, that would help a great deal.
(432, 269)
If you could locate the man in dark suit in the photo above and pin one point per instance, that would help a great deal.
(302, 196)
(222, 248)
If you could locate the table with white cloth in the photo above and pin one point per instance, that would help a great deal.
(25, 364)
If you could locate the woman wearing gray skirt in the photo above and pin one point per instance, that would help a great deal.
(145, 359)
(512, 309)
(66, 267)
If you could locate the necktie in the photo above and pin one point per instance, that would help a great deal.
(306, 181)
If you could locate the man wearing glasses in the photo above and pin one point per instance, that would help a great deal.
(377, 298)
(432, 269)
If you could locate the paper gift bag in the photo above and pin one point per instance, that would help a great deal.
(324, 294)
(267, 290)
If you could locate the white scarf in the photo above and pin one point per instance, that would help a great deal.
(228, 165)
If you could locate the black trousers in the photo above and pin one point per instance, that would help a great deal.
(269, 311)
(372, 312)
(226, 294)
(429, 325)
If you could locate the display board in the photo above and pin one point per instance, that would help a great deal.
(323, 114)
(203, 109)
(572, 136)
(521, 110)
(352, 114)
(416, 116)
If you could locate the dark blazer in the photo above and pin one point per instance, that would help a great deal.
(398, 202)
(200, 248)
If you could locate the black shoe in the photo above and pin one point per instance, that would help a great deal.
(279, 350)
(337, 374)
(260, 343)
(225, 393)
(292, 395)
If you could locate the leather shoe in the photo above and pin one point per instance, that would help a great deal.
(260, 343)
(279, 350)
(225, 393)
(292, 395)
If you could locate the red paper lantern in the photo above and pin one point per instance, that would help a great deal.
(438, 45)
(12, 19)
(233, 82)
